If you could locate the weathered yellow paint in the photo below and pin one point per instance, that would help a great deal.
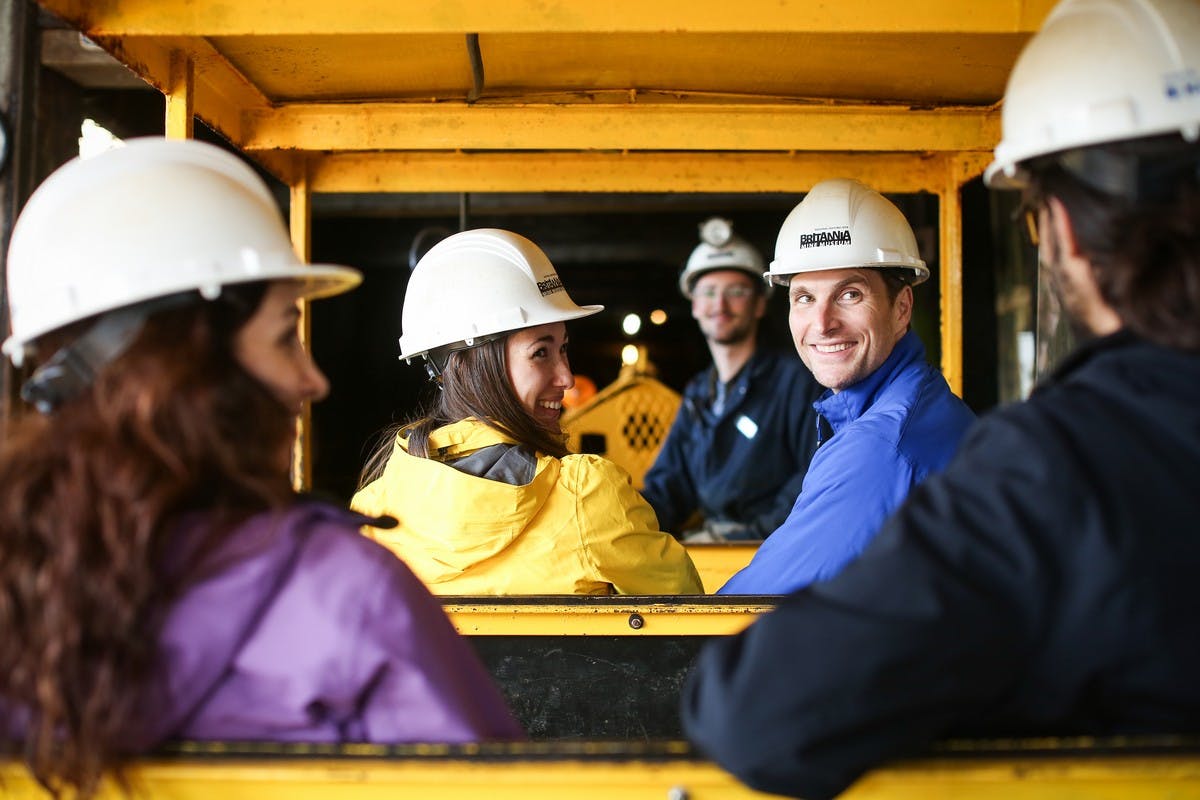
(180, 95)
(642, 616)
(301, 232)
(939, 69)
(898, 173)
(717, 563)
(958, 171)
(707, 126)
(220, 93)
(265, 17)
(371, 773)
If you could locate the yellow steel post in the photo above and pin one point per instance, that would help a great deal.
(950, 278)
(301, 229)
(181, 95)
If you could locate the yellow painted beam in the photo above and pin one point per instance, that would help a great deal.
(634, 126)
(958, 170)
(899, 173)
(542, 776)
(301, 232)
(180, 95)
(676, 617)
(271, 17)
(220, 93)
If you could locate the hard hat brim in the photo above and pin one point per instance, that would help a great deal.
(316, 281)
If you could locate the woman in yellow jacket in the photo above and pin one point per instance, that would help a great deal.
(486, 496)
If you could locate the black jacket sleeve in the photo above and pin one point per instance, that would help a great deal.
(925, 630)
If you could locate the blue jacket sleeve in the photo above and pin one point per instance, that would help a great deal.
(851, 487)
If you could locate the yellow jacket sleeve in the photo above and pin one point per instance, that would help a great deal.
(619, 532)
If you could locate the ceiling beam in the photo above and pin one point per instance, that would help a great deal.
(732, 127)
(292, 17)
(899, 173)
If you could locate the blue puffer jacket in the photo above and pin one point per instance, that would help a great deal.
(890, 431)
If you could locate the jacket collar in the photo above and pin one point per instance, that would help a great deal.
(1086, 352)
(462, 437)
(844, 407)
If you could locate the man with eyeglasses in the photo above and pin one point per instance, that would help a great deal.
(735, 457)
(1045, 582)
(849, 260)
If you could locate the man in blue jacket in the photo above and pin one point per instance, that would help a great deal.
(849, 261)
(736, 454)
(1045, 582)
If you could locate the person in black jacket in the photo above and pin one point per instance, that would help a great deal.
(737, 452)
(1045, 583)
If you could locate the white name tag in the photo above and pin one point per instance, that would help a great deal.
(747, 426)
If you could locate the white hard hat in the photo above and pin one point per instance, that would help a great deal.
(1101, 71)
(719, 248)
(842, 224)
(477, 284)
(150, 219)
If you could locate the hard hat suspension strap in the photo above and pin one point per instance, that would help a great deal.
(74, 367)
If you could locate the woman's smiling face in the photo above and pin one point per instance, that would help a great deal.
(539, 371)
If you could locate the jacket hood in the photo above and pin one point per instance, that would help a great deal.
(465, 519)
(230, 590)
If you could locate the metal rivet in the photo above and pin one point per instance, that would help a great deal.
(677, 793)
(636, 622)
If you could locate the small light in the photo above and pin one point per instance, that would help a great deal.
(95, 139)
(629, 354)
(716, 231)
(658, 316)
(631, 324)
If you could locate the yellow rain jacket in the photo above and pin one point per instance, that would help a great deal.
(578, 527)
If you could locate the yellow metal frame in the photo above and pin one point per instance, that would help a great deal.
(545, 777)
(589, 138)
(603, 616)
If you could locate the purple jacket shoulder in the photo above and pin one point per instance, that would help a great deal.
(301, 629)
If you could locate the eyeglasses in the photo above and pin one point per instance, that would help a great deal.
(729, 293)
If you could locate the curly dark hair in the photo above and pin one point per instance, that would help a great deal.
(1144, 252)
(88, 500)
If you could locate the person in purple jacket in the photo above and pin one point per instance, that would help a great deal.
(159, 579)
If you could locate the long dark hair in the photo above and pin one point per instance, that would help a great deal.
(474, 383)
(88, 498)
(1145, 254)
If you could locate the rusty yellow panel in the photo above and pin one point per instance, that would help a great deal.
(542, 616)
(937, 69)
(898, 173)
(220, 95)
(928, 70)
(256, 17)
(687, 127)
(320, 68)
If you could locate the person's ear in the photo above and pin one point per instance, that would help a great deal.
(904, 307)
(760, 308)
(1062, 227)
